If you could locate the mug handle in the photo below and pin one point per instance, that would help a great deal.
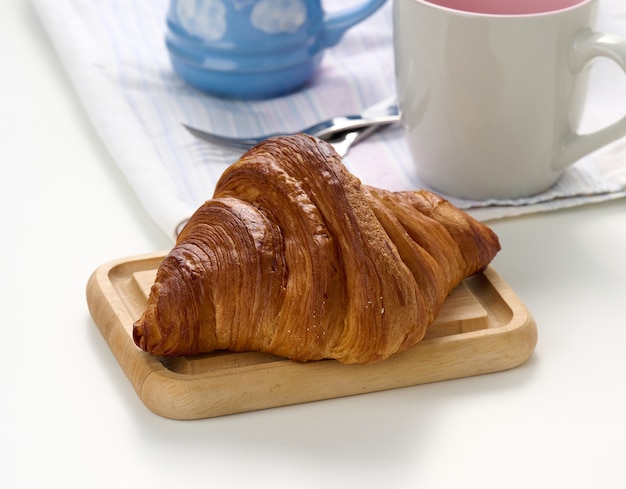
(337, 23)
(587, 46)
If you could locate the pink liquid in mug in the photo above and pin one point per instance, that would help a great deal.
(507, 7)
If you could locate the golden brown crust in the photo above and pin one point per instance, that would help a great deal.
(295, 257)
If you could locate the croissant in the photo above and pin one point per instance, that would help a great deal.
(296, 257)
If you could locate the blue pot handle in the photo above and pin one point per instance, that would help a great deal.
(337, 23)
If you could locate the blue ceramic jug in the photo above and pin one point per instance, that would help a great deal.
(254, 49)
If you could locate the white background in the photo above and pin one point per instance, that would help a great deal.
(69, 416)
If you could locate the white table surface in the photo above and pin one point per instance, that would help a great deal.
(69, 416)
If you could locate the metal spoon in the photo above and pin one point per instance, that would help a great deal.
(342, 132)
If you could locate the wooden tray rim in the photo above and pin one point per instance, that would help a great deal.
(192, 396)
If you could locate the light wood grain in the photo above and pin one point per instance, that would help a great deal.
(482, 328)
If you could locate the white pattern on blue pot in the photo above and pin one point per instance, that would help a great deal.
(254, 49)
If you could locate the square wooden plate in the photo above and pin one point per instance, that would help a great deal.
(483, 327)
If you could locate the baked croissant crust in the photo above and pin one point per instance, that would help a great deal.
(294, 256)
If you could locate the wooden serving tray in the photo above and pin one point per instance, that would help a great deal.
(482, 328)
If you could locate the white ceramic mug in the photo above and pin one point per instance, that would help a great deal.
(492, 91)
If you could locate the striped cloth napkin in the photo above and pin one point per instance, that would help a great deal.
(115, 54)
